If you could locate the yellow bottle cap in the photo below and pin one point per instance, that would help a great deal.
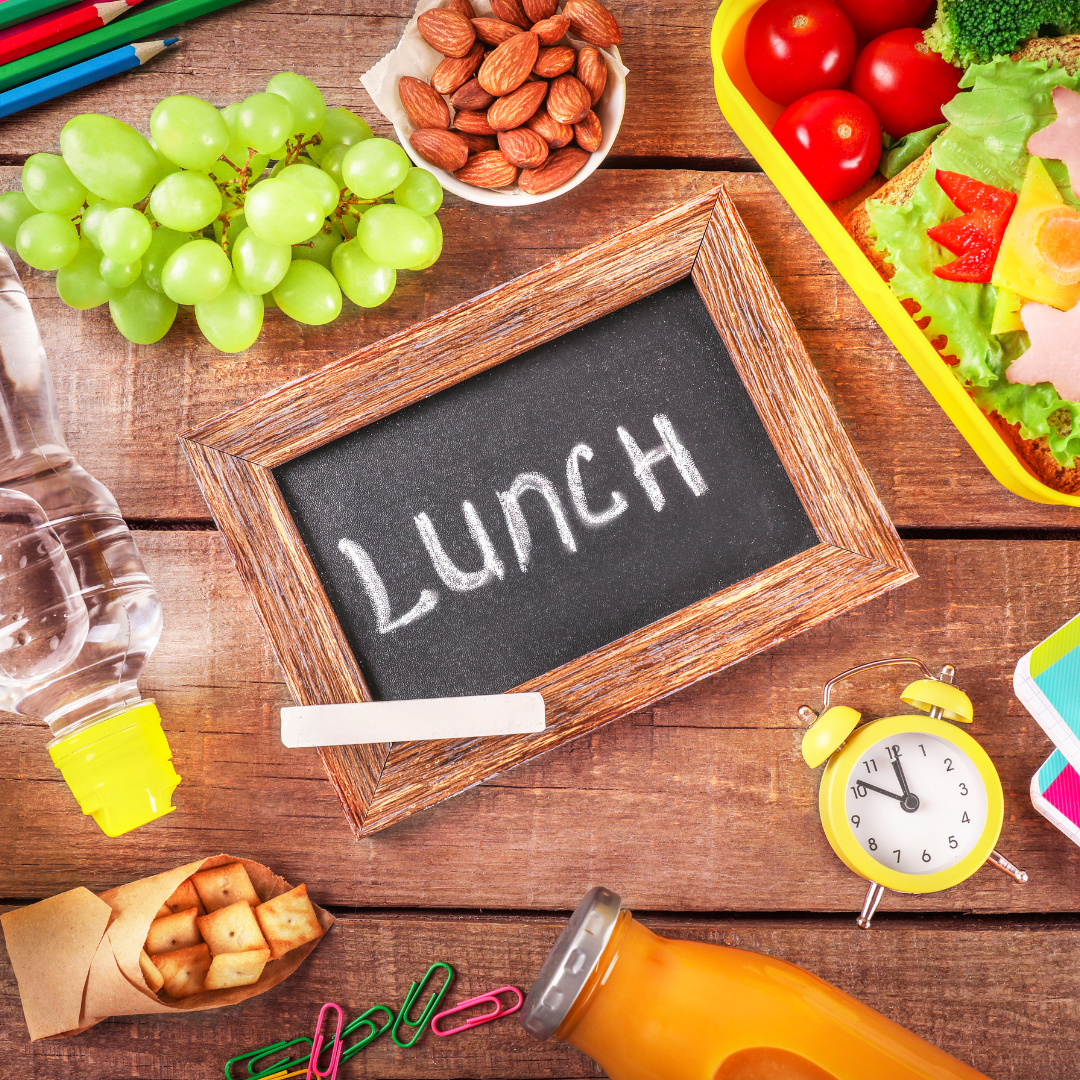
(119, 768)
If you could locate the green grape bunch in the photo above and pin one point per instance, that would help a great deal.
(192, 216)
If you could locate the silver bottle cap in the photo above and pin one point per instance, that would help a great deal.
(570, 962)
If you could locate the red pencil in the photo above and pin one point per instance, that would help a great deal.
(46, 30)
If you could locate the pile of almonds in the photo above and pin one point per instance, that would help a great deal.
(523, 102)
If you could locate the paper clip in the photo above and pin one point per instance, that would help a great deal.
(313, 1070)
(361, 1021)
(410, 999)
(483, 1018)
(254, 1072)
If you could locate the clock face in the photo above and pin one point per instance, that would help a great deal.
(915, 803)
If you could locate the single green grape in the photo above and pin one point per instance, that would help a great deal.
(165, 166)
(110, 158)
(364, 282)
(80, 283)
(340, 128)
(304, 98)
(142, 315)
(259, 264)
(317, 182)
(396, 236)
(124, 235)
(433, 258)
(118, 274)
(47, 241)
(50, 185)
(419, 191)
(263, 121)
(374, 167)
(196, 272)
(186, 201)
(282, 212)
(320, 248)
(232, 320)
(189, 131)
(93, 218)
(15, 208)
(308, 293)
(164, 242)
(331, 164)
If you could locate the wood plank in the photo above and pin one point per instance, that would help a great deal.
(701, 803)
(1018, 1026)
(122, 405)
(223, 57)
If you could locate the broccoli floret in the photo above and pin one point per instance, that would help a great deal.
(974, 31)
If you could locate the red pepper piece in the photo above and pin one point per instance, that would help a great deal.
(976, 236)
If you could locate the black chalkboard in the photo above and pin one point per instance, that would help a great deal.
(656, 369)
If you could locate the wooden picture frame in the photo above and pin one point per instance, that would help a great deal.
(859, 555)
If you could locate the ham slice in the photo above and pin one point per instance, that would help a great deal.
(1053, 356)
(1060, 139)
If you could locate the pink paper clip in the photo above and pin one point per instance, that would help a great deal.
(313, 1070)
(483, 1018)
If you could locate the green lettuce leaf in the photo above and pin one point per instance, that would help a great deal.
(1005, 103)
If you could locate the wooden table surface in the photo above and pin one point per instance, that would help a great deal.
(699, 811)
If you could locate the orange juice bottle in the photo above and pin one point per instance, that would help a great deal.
(651, 1008)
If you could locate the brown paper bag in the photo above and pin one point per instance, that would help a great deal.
(76, 955)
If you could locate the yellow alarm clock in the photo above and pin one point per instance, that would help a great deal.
(910, 803)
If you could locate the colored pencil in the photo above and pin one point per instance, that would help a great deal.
(45, 30)
(17, 11)
(121, 32)
(89, 71)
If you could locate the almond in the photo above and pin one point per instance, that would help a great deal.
(556, 60)
(568, 101)
(426, 109)
(476, 123)
(588, 132)
(509, 65)
(446, 31)
(462, 7)
(511, 11)
(552, 30)
(488, 170)
(555, 171)
(477, 144)
(495, 31)
(551, 131)
(592, 22)
(443, 149)
(514, 109)
(471, 96)
(454, 72)
(538, 10)
(592, 71)
(523, 148)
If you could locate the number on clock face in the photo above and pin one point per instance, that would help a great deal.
(932, 824)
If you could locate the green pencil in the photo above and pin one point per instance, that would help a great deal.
(17, 11)
(137, 27)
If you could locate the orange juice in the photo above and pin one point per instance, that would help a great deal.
(651, 1008)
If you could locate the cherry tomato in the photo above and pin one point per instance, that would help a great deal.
(835, 140)
(794, 47)
(904, 82)
(872, 18)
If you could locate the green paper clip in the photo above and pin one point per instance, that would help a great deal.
(254, 1056)
(429, 1011)
(362, 1021)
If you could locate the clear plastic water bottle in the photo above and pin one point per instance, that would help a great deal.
(78, 615)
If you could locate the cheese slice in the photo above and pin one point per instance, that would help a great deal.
(1018, 267)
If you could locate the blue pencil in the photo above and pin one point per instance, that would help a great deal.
(89, 71)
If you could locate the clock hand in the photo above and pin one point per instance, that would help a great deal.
(880, 791)
(908, 801)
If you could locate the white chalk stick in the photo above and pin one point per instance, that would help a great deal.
(411, 721)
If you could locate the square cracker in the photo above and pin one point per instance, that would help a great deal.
(183, 971)
(236, 969)
(224, 885)
(179, 931)
(232, 929)
(150, 972)
(183, 898)
(288, 921)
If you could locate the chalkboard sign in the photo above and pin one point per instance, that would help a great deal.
(602, 481)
